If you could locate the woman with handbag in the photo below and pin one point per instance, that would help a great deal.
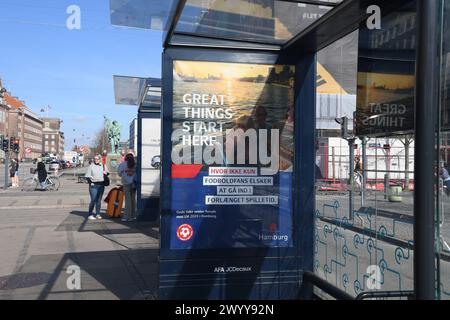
(96, 176)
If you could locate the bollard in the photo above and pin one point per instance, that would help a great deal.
(395, 194)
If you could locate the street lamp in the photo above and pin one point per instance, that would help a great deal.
(74, 159)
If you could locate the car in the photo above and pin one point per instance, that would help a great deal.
(62, 164)
(54, 165)
(156, 162)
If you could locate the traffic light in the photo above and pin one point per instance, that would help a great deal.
(11, 143)
(4, 143)
(16, 146)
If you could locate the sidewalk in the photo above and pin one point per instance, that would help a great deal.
(52, 234)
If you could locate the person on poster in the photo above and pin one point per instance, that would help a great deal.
(261, 118)
(237, 136)
(287, 142)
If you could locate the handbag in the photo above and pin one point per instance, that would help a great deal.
(106, 180)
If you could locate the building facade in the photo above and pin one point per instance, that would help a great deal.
(52, 137)
(4, 110)
(26, 126)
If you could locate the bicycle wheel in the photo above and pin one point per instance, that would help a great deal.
(29, 184)
(53, 183)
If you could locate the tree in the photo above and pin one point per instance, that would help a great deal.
(408, 139)
(100, 142)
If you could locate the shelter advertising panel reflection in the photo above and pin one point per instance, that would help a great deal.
(232, 155)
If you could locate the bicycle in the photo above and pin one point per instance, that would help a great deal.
(31, 184)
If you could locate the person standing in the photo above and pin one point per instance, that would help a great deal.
(95, 176)
(127, 172)
(358, 172)
(42, 174)
(445, 179)
(104, 154)
(12, 173)
(16, 174)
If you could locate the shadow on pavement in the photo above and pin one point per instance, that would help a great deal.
(104, 275)
(129, 270)
(77, 221)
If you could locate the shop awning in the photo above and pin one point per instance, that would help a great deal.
(263, 22)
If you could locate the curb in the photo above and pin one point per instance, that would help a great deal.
(42, 207)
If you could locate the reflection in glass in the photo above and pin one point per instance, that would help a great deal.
(250, 20)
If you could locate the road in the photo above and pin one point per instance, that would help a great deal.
(47, 234)
(24, 171)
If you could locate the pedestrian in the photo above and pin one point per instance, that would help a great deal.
(127, 172)
(445, 179)
(42, 174)
(95, 176)
(104, 157)
(16, 174)
(12, 173)
(358, 172)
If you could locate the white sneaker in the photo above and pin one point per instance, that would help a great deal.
(92, 218)
(99, 217)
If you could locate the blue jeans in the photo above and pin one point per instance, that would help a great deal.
(96, 193)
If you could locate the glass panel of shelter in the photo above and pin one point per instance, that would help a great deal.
(364, 179)
(267, 21)
(443, 154)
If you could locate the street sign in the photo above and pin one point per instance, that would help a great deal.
(28, 150)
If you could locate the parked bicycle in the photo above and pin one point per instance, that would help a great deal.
(31, 184)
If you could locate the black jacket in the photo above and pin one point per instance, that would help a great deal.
(41, 171)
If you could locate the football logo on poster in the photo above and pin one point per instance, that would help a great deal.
(185, 232)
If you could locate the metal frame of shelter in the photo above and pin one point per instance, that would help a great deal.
(187, 273)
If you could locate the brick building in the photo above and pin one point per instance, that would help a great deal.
(25, 125)
(4, 110)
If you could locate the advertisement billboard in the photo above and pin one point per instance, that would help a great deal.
(386, 75)
(232, 155)
(151, 157)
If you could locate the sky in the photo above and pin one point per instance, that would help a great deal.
(45, 64)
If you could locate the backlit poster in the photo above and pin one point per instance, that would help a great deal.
(386, 75)
(151, 157)
(232, 155)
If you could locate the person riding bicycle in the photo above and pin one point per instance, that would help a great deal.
(42, 174)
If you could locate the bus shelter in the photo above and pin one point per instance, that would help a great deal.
(145, 138)
(238, 122)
